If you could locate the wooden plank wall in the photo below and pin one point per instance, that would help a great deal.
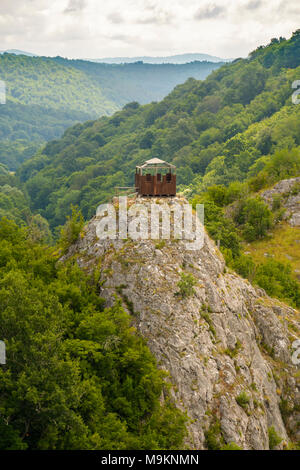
(156, 185)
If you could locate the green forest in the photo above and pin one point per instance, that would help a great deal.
(216, 131)
(79, 378)
(47, 95)
(230, 136)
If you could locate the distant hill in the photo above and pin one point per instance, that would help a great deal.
(18, 52)
(172, 59)
(46, 95)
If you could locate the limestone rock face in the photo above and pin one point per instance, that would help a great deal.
(289, 192)
(227, 346)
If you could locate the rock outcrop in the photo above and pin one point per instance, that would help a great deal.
(226, 345)
(288, 192)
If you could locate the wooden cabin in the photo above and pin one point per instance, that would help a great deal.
(156, 178)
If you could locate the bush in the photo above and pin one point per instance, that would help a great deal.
(71, 230)
(276, 279)
(215, 441)
(186, 285)
(218, 226)
(255, 218)
(274, 438)
(231, 446)
(243, 399)
(245, 266)
(213, 437)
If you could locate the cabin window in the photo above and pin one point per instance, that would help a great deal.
(158, 177)
(168, 177)
(148, 177)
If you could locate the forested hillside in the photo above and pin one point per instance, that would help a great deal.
(223, 129)
(78, 376)
(47, 95)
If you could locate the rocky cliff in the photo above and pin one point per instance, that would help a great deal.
(226, 345)
(287, 194)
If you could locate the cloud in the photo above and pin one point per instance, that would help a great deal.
(74, 6)
(292, 8)
(148, 20)
(254, 4)
(144, 27)
(157, 16)
(165, 18)
(209, 12)
(115, 17)
(126, 38)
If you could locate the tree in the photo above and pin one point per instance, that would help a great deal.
(71, 230)
(255, 218)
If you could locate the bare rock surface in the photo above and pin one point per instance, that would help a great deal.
(226, 347)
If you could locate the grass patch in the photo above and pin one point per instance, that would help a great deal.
(186, 285)
(206, 315)
(159, 245)
(283, 246)
(243, 400)
(231, 446)
(234, 352)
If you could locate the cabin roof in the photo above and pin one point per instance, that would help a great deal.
(156, 162)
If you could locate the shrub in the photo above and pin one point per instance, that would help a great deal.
(219, 227)
(71, 230)
(243, 399)
(231, 446)
(186, 285)
(276, 278)
(277, 201)
(208, 320)
(233, 352)
(213, 437)
(255, 218)
(274, 438)
(245, 266)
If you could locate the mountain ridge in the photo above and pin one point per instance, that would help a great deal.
(18, 52)
(171, 59)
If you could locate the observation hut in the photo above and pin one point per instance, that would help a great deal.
(156, 178)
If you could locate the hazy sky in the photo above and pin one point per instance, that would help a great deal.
(104, 28)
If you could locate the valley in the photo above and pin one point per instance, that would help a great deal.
(47, 95)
